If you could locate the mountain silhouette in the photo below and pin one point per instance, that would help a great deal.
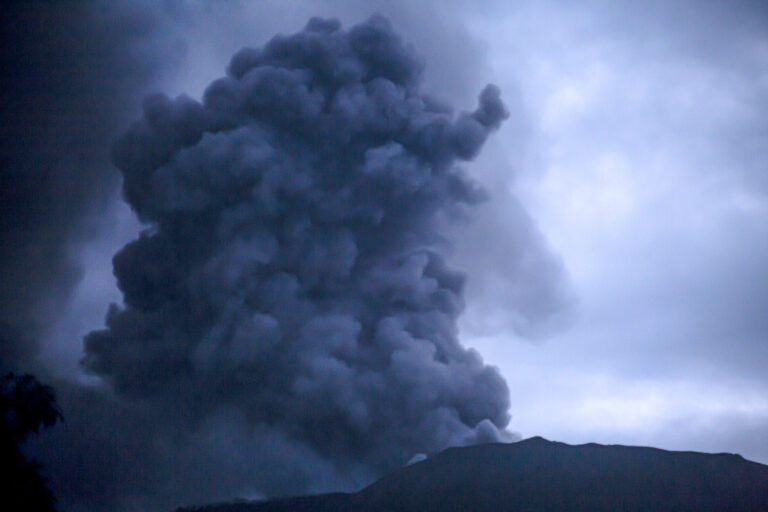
(536, 475)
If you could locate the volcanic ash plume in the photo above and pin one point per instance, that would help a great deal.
(292, 270)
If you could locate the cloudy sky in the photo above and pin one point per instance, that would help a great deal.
(616, 271)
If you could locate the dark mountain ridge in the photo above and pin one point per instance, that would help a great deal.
(536, 475)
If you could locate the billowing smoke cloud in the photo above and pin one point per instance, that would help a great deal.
(293, 271)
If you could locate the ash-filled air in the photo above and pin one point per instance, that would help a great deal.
(293, 266)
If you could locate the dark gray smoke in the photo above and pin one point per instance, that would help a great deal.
(68, 77)
(293, 271)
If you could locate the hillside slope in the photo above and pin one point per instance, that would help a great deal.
(537, 475)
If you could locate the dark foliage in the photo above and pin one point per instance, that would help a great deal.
(26, 406)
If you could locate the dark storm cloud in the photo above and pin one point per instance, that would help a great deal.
(69, 76)
(193, 432)
(514, 279)
(293, 272)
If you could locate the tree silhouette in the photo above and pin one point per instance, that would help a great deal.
(26, 406)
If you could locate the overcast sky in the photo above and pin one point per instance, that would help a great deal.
(617, 271)
(646, 171)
